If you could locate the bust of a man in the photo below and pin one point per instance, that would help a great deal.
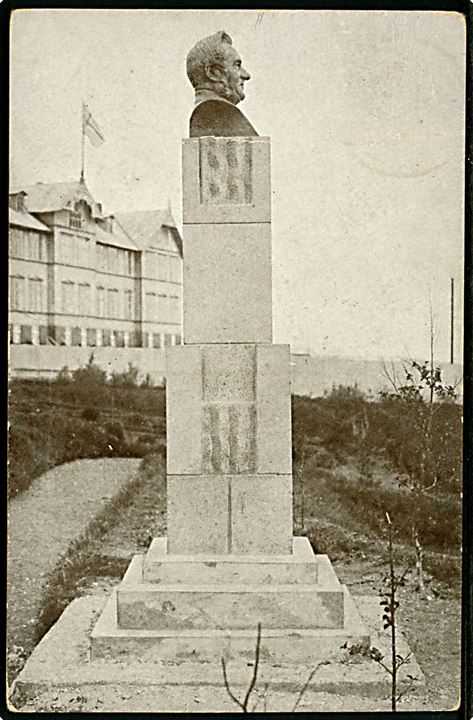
(215, 70)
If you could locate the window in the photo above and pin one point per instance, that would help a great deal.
(112, 259)
(163, 266)
(76, 337)
(91, 337)
(119, 338)
(101, 258)
(174, 268)
(120, 262)
(17, 202)
(101, 302)
(43, 335)
(36, 298)
(68, 249)
(112, 303)
(174, 309)
(68, 297)
(82, 252)
(17, 297)
(130, 262)
(151, 264)
(128, 314)
(84, 299)
(75, 220)
(27, 244)
(151, 306)
(26, 335)
(163, 308)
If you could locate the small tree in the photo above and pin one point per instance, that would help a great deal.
(390, 603)
(416, 445)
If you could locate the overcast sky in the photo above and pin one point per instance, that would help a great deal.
(365, 111)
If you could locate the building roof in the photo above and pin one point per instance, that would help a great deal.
(144, 226)
(117, 238)
(50, 197)
(24, 219)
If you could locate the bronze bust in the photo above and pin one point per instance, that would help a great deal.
(215, 70)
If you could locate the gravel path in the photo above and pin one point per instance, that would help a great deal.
(44, 520)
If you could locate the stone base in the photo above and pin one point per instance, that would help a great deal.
(298, 646)
(174, 607)
(162, 635)
(60, 675)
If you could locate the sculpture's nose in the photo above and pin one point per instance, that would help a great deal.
(245, 75)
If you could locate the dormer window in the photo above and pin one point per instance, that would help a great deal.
(75, 220)
(17, 201)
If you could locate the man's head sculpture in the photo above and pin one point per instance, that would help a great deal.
(214, 65)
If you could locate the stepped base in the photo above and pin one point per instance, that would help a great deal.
(291, 645)
(60, 675)
(171, 607)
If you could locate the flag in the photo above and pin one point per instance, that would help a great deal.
(90, 127)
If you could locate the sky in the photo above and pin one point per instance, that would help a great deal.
(365, 111)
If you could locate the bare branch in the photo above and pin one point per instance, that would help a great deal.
(255, 670)
(390, 376)
(227, 687)
(388, 670)
(244, 704)
(406, 690)
(304, 688)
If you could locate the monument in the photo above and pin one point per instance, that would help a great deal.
(229, 562)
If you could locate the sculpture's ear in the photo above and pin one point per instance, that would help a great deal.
(214, 72)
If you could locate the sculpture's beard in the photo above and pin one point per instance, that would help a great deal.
(225, 90)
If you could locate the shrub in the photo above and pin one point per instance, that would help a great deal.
(90, 413)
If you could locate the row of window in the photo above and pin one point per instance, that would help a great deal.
(73, 250)
(163, 266)
(90, 337)
(76, 299)
(27, 294)
(28, 244)
(116, 260)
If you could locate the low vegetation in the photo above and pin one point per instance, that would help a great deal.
(355, 460)
(81, 414)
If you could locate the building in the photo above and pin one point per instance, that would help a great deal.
(81, 278)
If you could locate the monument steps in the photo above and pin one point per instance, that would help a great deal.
(299, 645)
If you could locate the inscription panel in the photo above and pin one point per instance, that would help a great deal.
(226, 180)
(225, 171)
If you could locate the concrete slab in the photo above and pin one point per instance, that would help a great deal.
(226, 180)
(227, 283)
(61, 673)
(300, 567)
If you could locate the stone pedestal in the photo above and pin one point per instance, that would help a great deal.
(229, 561)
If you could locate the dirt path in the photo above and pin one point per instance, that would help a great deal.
(44, 520)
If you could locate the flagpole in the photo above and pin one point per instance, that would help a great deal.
(82, 174)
